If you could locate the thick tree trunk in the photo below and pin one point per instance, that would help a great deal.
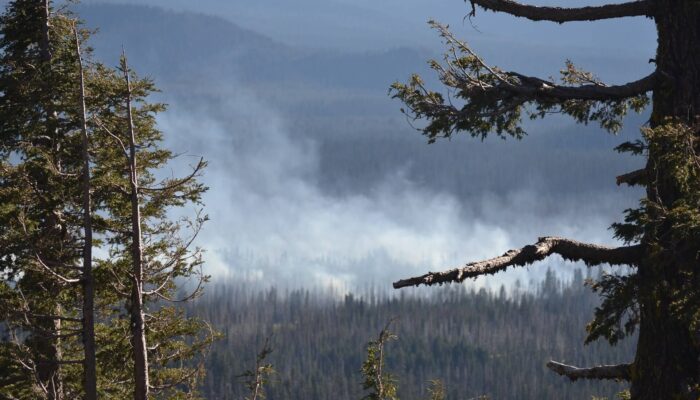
(666, 362)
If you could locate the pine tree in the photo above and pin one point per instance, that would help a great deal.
(659, 298)
(382, 385)
(258, 378)
(68, 184)
(41, 236)
(149, 254)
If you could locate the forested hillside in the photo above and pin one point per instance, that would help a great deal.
(477, 342)
(340, 154)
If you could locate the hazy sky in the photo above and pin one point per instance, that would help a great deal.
(274, 217)
(379, 24)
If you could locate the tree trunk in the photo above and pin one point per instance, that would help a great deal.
(49, 350)
(88, 282)
(138, 325)
(666, 362)
(45, 44)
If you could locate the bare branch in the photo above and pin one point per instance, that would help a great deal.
(41, 262)
(113, 136)
(51, 317)
(531, 86)
(60, 277)
(569, 249)
(172, 184)
(561, 15)
(60, 362)
(616, 372)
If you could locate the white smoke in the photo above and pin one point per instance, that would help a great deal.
(271, 223)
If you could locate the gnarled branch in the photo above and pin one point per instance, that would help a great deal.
(571, 250)
(483, 99)
(561, 15)
(617, 372)
(540, 88)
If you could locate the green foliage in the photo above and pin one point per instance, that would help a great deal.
(670, 231)
(624, 395)
(483, 99)
(39, 203)
(41, 236)
(436, 391)
(618, 315)
(382, 385)
(257, 378)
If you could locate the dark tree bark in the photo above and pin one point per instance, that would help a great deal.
(561, 15)
(45, 44)
(667, 359)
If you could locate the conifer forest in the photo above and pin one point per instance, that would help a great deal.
(330, 199)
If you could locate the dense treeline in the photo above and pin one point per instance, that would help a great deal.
(478, 342)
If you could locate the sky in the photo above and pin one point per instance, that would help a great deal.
(360, 25)
(286, 209)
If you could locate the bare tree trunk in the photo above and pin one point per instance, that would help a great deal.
(138, 326)
(667, 359)
(88, 282)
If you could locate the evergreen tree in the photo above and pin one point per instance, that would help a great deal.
(41, 235)
(148, 252)
(382, 385)
(659, 298)
(256, 379)
(69, 185)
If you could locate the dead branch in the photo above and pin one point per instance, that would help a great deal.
(173, 184)
(616, 372)
(570, 250)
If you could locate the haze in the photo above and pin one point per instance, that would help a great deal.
(317, 179)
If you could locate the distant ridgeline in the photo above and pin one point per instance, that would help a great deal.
(476, 342)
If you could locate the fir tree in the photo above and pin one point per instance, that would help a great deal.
(41, 234)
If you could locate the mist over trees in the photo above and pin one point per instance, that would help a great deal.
(340, 142)
(477, 342)
(317, 180)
